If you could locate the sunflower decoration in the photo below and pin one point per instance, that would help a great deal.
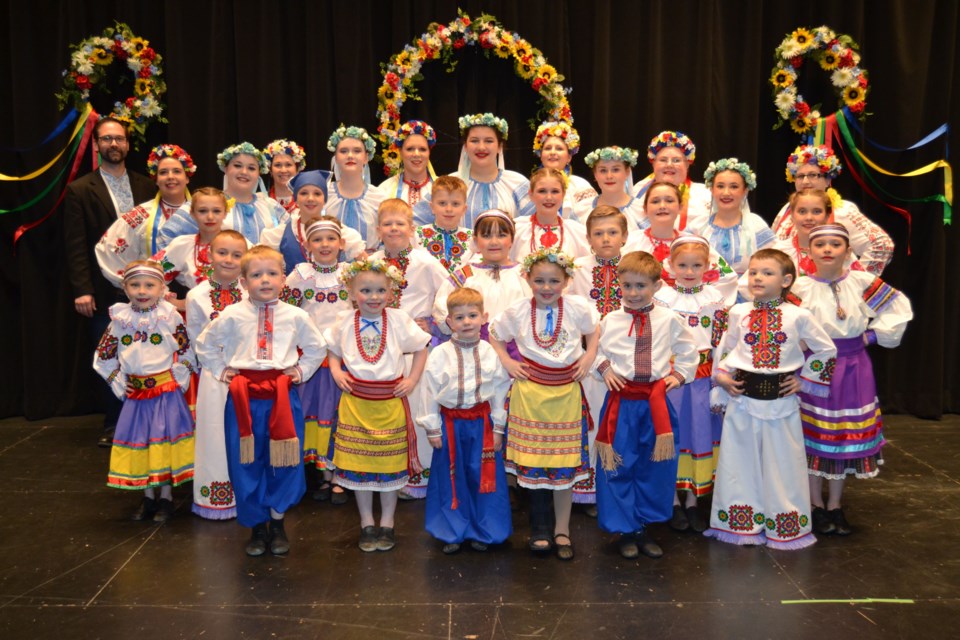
(117, 51)
(837, 54)
(442, 42)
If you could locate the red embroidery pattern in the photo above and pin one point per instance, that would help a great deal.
(135, 217)
(265, 332)
(606, 292)
(765, 335)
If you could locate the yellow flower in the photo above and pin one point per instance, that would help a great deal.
(101, 56)
(547, 72)
(803, 39)
(800, 125)
(403, 59)
(138, 44)
(391, 156)
(781, 79)
(522, 49)
(142, 86)
(852, 95)
(829, 61)
(385, 94)
(524, 70)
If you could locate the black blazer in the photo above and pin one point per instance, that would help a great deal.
(88, 212)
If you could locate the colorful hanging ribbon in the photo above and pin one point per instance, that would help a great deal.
(30, 176)
(78, 147)
(60, 128)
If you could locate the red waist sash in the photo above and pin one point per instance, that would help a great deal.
(655, 394)
(383, 390)
(271, 384)
(550, 376)
(488, 468)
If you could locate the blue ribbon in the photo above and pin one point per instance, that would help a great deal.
(372, 324)
(64, 124)
(250, 225)
(447, 243)
(939, 132)
(549, 328)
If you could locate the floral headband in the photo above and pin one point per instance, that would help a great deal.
(244, 148)
(377, 266)
(288, 147)
(677, 139)
(357, 133)
(621, 154)
(549, 254)
(562, 130)
(169, 151)
(418, 128)
(818, 155)
(730, 164)
(484, 120)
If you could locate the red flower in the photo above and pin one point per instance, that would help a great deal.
(83, 82)
(393, 80)
(118, 50)
(458, 43)
(538, 83)
(802, 108)
(466, 21)
(130, 102)
(144, 72)
(485, 40)
(711, 276)
(857, 108)
(796, 62)
(846, 60)
(863, 82)
(148, 54)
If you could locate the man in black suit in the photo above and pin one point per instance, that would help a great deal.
(92, 204)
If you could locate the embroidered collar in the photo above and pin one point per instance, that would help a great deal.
(646, 309)
(260, 303)
(612, 262)
(216, 285)
(464, 344)
(691, 290)
(323, 268)
(770, 304)
(416, 185)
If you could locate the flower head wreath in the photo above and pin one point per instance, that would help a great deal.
(176, 152)
(357, 133)
(484, 120)
(676, 139)
(244, 148)
(817, 155)
(552, 255)
(391, 155)
(288, 147)
(621, 154)
(376, 266)
(730, 164)
(562, 130)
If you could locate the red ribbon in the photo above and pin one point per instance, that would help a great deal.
(488, 468)
(84, 140)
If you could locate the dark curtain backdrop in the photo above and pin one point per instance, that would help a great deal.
(258, 70)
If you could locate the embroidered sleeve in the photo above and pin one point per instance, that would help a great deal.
(719, 325)
(893, 312)
(291, 295)
(106, 362)
(879, 295)
(817, 371)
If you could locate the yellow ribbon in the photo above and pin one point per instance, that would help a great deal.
(933, 166)
(81, 123)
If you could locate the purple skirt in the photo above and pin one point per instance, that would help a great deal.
(843, 433)
(511, 346)
(320, 397)
(699, 436)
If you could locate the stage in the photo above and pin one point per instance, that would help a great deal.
(74, 566)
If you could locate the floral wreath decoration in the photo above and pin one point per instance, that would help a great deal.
(391, 153)
(357, 267)
(288, 147)
(442, 42)
(549, 254)
(90, 64)
(174, 151)
(483, 120)
(730, 164)
(819, 155)
(839, 55)
(244, 148)
(562, 130)
(621, 154)
(677, 139)
(358, 133)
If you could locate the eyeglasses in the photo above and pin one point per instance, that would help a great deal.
(807, 176)
(671, 160)
(112, 139)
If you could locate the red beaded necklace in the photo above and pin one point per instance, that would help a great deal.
(383, 337)
(546, 344)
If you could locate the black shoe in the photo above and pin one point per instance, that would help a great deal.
(564, 549)
(339, 497)
(368, 538)
(697, 523)
(259, 538)
(164, 510)
(478, 546)
(821, 521)
(323, 492)
(840, 522)
(145, 511)
(679, 522)
(387, 539)
(451, 548)
(590, 511)
(105, 441)
(648, 547)
(628, 546)
(279, 545)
